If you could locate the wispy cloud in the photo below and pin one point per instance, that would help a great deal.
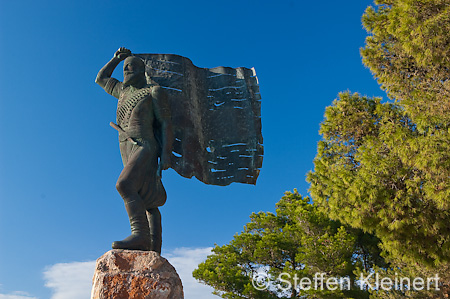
(185, 260)
(17, 295)
(70, 280)
(74, 280)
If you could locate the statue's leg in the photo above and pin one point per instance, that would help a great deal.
(128, 185)
(154, 220)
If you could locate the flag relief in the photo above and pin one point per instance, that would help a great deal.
(216, 119)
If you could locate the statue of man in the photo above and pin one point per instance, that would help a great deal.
(145, 135)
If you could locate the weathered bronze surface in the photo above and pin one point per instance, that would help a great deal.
(216, 117)
(201, 122)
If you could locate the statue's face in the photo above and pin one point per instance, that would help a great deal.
(133, 70)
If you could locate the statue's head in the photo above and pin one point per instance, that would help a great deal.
(133, 71)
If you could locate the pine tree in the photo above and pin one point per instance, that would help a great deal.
(408, 51)
(298, 241)
(367, 175)
(377, 172)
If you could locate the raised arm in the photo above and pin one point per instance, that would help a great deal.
(105, 73)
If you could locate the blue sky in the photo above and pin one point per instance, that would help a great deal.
(60, 159)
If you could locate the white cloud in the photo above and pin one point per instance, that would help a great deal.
(185, 260)
(17, 295)
(70, 280)
(74, 280)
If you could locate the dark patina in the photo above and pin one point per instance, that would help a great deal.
(200, 122)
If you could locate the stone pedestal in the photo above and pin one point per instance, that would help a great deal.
(133, 274)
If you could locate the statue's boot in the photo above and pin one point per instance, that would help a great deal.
(154, 221)
(140, 231)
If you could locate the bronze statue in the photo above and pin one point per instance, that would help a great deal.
(145, 134)
(200, 122)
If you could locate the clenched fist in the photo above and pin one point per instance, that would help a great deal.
(122, 53)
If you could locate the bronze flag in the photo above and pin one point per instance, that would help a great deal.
(216, 118)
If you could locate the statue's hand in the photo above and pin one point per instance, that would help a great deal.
(122, 53)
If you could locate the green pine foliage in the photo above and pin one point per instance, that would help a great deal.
(297, 240)
(408, 51)
(375, 171)
(409, 274)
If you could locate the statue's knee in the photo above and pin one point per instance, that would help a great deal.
(123, 187)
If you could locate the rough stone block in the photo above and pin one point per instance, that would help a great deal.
(133, 274)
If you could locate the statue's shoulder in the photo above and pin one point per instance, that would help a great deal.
(157, 92)
(114, 87)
